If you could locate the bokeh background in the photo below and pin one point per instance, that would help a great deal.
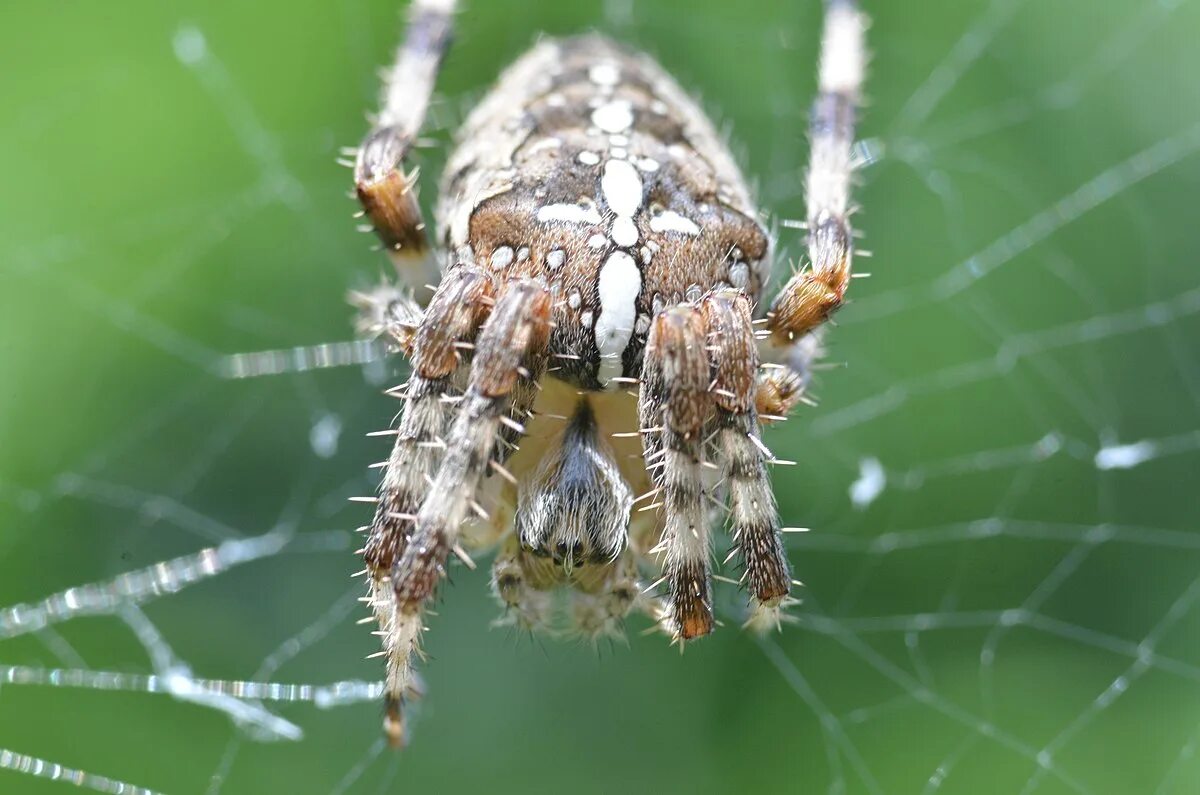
(1014, 611)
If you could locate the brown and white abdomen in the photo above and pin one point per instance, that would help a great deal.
(588, 167)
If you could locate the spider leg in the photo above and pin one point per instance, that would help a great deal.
(386, 192)
(511, 346)
(454, 314)
(754, 519)
(445, 440)
(673, 406)
(814, 293)
(439, 457)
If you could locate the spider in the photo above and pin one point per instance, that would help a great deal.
(596, 332)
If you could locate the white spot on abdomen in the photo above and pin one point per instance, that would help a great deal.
(546, 143)
(571, 213)
(613, 117)
(671, 221)
(620, 284)
(622, 187)
(624, 232)
(502, 257)
(605, 74)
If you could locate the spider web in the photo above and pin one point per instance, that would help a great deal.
(1003, 573)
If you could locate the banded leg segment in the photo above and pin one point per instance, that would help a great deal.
(386, 192)
(754, 518)
(454, 315)
(673, 407)
(510, 348)
(815, 293)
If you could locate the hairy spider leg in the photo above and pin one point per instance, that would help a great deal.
(453, 317)
(753, 516)
(387, 192)
(510, 348)
(814, 293)
(673, 405)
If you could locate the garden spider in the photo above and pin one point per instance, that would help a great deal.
(599, 268)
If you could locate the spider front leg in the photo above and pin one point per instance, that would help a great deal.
(813, 294)
(511, 347)
(673, 406)
(388, 194)
(754, 518)
(453, 317)
(441, 455)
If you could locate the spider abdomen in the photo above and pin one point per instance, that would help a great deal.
(589, 169)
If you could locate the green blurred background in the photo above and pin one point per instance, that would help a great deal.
(170, 195)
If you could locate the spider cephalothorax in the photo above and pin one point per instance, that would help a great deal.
(588, 376)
